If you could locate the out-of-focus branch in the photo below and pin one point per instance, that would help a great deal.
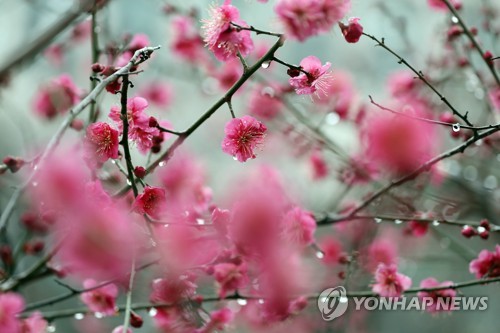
(28, 52)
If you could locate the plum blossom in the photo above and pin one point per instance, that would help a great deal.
(318, 164)
(243, 136)
(331, 249)
(102, 141)
(10, 305)
(56, 97)
(139, 130)
(442, 299)
(172, 289)
(34, 324)
(494, 97)
(305, 18)
(317, 79)
(230, 277)
(441, 5)
(224, 40)
(380, 252)
(102, 299)
(151, 201)
(265, 102)
(390, 283)
(352, 31)
(186, 41)
(218, 319)
(298, 227)
(159, 93)
(487, 264)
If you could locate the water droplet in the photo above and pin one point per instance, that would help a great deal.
(320, 255)
(435, 223)
(51, 328)
(241, 301)
(165, 225)
(113, 161)
(129, 182)
(470, 173)
(261, 301)
(79, 316)
(152, 312)
(267, 91)
(398, 221)
(481, 229)
(332, 118)
(265, 64)
(161, 164)
(456, 127)
(235, 158)
(98, 315)
(377, 220)
(454, 19)
(200, 221)
(490, 182)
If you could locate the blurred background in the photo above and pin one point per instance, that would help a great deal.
(409, 26)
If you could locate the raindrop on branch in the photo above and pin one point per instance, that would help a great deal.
(455, 127)
(265, 64)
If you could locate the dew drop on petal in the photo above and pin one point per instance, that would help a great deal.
(456, 127)
(200, 221)
(235, 158)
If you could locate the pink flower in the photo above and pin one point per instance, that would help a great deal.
(230, 277)
(243, 136)
(120, 329)
(317, 79)
(139, 130)
(172, 290)
(186, 41)
(318, 164)
(390, 283)
(228, 73)
(298, 227)
(221, 37)
(332, 250)
(159, 93)
(440, 5)
(353, 31)
(399, 144)
(10, 305)
(138, 42)
(97, 242)
(218, 319)
(380, 252)
(417, 228)
(494, 96)
(339, 95)
(487, 264)
(442, 300)
(101, 300)
(402, 83)
(34, 324)
(151, 201)
(102, 141)
(56, 97)
(305, 18)
(264, 102)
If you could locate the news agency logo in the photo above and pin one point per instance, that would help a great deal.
(333, 303)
